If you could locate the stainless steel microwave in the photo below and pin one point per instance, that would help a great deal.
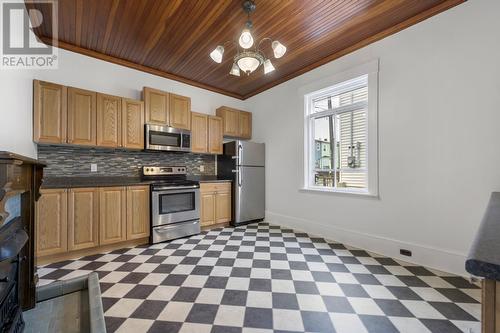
(167, 138)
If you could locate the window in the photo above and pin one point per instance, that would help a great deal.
(338, 127)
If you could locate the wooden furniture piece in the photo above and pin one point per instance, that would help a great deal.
(81, 221)
(82, 114)
(132, 124)
(206, 134)
(167, 109)
(81, 117)
(20, 179)
(236, 123)
(49, 112)
(109, 115)
(215, 203)
(112, 215)
(483, 261)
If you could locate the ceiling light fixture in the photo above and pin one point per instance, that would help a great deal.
(248, 59)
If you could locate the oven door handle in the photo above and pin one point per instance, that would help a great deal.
(165, 188)
(162, 229)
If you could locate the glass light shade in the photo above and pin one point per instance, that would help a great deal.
(235, 70)
(246, 39)
(279, 49)
(268, 66)
(248, 64)
(216, 54)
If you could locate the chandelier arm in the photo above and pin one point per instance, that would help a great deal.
(261, 41)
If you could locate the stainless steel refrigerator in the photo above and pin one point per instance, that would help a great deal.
(244, 163)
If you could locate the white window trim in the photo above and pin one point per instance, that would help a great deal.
(321, 87)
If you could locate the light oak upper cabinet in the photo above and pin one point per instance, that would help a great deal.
(215, 135)
(52, 222)
(109, 109)
(215, 203)
(112, 215)
(236, 123)
(179, 111)
(83, 218)
(245, 125)
(199, 133)
(156, 105)
(82, 117)
(137, 212)
(49, 112)
(132, 124)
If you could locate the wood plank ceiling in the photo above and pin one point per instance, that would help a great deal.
(174, 38)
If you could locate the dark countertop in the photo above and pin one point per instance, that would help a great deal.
(103, 181)
(484, 255)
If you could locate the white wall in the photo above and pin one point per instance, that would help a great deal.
(439, 137)
(16, 93)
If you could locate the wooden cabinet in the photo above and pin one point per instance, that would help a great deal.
(49, 112)
(52, 233)
(206, 134)
(199, 133)
(112, 215)
(109, 109)
(132, 124)
(215, 203)
(68, 221)
(245, 125)
(83, 218)
(156, 105)
(179, 111)
(138, 224)
(236, 123)
(82, 117)
(215, 135)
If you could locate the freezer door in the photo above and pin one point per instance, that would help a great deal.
(250, 153)
(249, 192)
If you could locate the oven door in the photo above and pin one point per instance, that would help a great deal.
(174, 205)
(166, 138)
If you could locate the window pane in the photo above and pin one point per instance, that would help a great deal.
(320, 105)
(323, 128)
(338, 100)
(324, 178)
(352, 179)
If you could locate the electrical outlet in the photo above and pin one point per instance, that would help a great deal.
(202, 168)
(405, 252)
(93, 167)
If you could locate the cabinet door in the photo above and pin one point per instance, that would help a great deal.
(52, 222)
(112, 215)
(82, 117)
(199, 133)
(156, 105)
(49, 112)
(230, 119)
(83, 218)
(223, 207)
(132, 124)
(138, 215)
(179, 111)
(109, 127)
(215, 136)
(245, 120)
(207, 208)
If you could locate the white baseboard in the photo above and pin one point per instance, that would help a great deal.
(440, 259)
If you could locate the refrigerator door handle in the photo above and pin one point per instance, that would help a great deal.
(240, 147)
(238, 174)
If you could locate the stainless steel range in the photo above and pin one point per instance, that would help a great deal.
(175, 203)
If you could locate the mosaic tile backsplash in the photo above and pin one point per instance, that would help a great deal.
(65, 161)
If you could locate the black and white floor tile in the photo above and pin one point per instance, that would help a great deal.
(263, 279)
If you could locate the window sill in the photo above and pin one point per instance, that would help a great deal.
(341, 192)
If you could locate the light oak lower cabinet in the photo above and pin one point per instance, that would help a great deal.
(137, 212)
(215, 203)
(70, 220)
(52, 234)
(112, 215)
(83, 218)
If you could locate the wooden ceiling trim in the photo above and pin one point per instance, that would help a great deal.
(392, 30)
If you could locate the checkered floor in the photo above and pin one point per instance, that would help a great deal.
(264, 278)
